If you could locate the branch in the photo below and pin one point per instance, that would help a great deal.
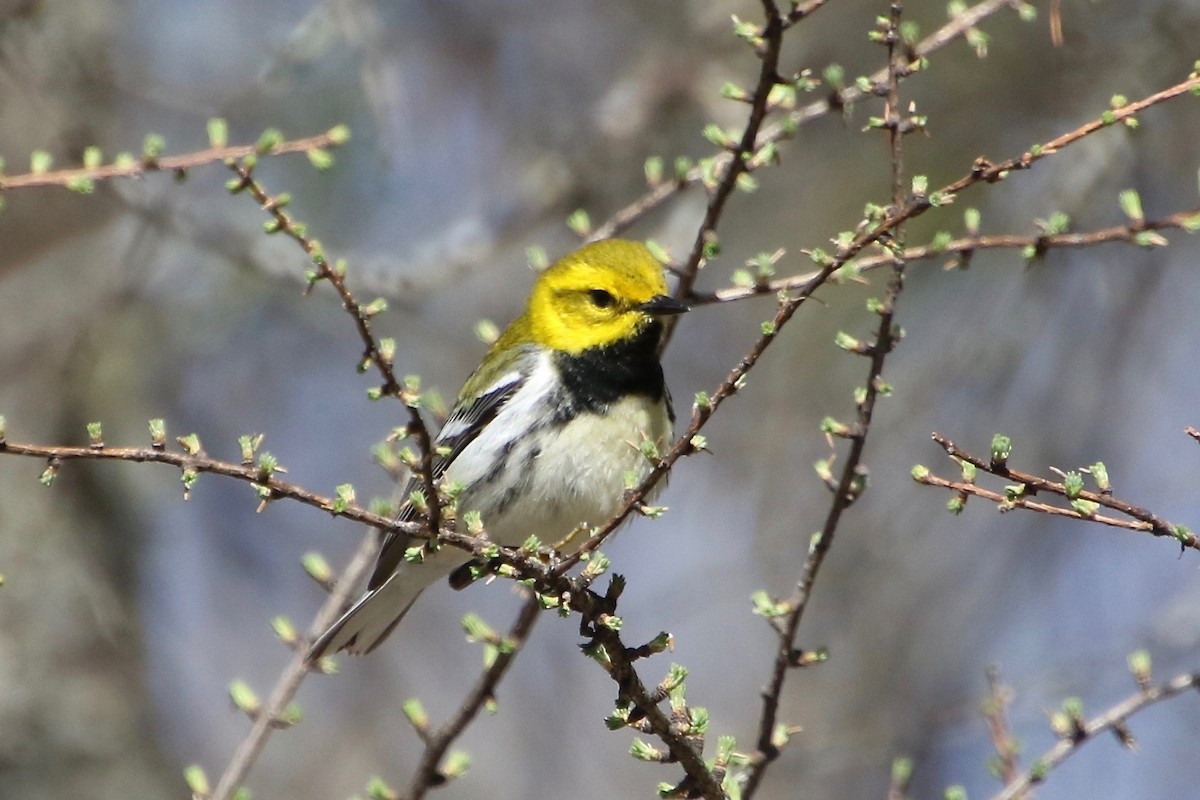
(375, 353)
(293, 675)
(428, 774)
(257, 475)
(878, 230)
(852, 481)
(737, 161)
(1084, 502)
(149, 163)
(995, 714)
(839, 99)
(1132, 233)
(1111, 720)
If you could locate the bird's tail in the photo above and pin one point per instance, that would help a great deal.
(374, 616)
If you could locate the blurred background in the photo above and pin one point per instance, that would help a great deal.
(125, 612)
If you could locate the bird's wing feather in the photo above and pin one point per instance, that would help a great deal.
(461, 428)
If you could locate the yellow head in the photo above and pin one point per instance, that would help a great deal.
(602, 293)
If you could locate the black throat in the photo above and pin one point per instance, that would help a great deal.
(600, 376)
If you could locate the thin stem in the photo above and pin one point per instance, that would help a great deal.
(839, 99)
(213, 155)
(427, 774)
(963, 247)
(850, 484)
(1146, 520)
(1111, 720)
(293, 675)
(737, 161)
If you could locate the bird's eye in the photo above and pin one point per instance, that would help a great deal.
(601, 298)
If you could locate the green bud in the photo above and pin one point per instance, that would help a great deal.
(190, 444)
(320, 158)
(244, 698)
(218, 132)
(1131, 204)
(1001, 450)
(374, 308)
(653, 170)
(457, 764)
(343, 499)
(377, 789)
(415, 712)
(831, 426)
(1072, 484)
(197, 781)
(157, 434)
(153, 146)
(40, 162)
(683, 165)
(1085, 508)
(339, 135)
(579, 222)
(317, 568)
(285, 630)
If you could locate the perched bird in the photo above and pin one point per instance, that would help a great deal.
(544, 432)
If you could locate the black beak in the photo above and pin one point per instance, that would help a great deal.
(663, 306)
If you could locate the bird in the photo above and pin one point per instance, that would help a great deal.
(545, 433)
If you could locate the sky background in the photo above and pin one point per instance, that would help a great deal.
(477, 129)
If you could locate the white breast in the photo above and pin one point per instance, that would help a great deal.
(561, 476)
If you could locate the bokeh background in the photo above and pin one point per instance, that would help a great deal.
(125, 611)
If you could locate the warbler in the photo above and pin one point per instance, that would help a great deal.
(544, 432)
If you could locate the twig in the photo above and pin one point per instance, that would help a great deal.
(1111, 720)
(737, 161)
(1040, 244)
(1143, 520)
(213, 155)
(995, 714)
(201, 463)
(427, 774)
(850, 484)
(776, 132)
(914, 207)
(297, 669)
(801, 12)
(373, 353)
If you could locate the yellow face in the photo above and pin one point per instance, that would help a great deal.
(600, 294)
